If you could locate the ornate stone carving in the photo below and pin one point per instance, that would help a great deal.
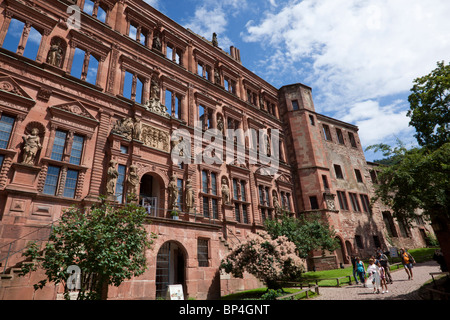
(32, 144)
(157, 41)
(276, 203)
(190, 196)
(173, 193)
(215, 42)
(133, 180)
(155, 138)
(124, 127)
(112, 176)
(225, 191)
(55, 54)
(154, 104)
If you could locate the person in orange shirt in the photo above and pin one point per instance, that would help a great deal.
(407, 261)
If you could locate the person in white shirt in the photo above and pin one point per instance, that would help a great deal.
(374, 275)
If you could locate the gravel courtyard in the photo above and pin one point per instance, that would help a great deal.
(400, 289)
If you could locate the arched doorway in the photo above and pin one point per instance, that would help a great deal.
(151, 194)
(340, 253)
(170, 267)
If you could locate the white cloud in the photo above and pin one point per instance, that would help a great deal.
(207, 21)
(353, 51)
(153, 3)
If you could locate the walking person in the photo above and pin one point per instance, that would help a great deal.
(384, 261)
(374, 275)
(361, 270)
(355, 273)
(382, 272)
(407, 261)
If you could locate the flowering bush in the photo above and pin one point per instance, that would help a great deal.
(268, 259)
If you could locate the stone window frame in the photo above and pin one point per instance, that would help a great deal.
(211, 109)
(144, 72)
(143, 24)
(91, 46)
(207, 62)
(22, 12)
(209, 169)
(65, 120)
(179, 90)
(178, 46)
(240, 203)
(204, 263)
(340, 136)
(105, 5)
(232, 77)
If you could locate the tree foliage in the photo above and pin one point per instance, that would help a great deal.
(418, 178)
(429, 107)
(308, 233)
(268, 259)
(107, 243)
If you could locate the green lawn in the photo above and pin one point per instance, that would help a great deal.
(256, 294)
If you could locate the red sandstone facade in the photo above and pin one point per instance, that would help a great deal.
(98, 95)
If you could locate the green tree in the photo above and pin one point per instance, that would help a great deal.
(106, 242)
(308, 233)
(419, 178)
(429, 107)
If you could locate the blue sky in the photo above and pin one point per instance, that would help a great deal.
(359, 56)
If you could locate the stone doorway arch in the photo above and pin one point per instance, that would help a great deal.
(171, 263)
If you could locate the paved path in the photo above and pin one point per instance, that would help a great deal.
(400, 289)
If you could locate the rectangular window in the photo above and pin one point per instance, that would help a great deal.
(244, 213)
(327, 133)
(235, 190)
(325, 182)
(355, 202)
(340, 136)
(261, 195)
(71, 183)
(342, 200)
(213, 183)
(58, 145)
(180, 194)
(77, 149)
(311, 120)
(358, 175)
(295, 105)
(352, 139)
(2, 157)
(204, 182)
(243, 195)
(123, 149)
(314, 203)
(288, 201)
(215, 209)
(206, 207)
(13, 35)
(202, 252)
(6, 125)
(263, 214)
(338, 171)
(237, 212)
(51, 182)
(365, 203)
(120, 183)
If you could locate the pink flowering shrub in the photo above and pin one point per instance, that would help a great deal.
(268, 260)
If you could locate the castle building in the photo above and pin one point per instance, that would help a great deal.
(92, 87)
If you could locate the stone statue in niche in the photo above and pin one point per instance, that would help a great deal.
(225, 192)
(276, 203)
(220, 125)
(154, 104)
(173, 193)
(112, 176)
(133, 181)
(137, 129)
(217, 76)
(55, 54)
(32, 144)
(157, 41)
(190, 196)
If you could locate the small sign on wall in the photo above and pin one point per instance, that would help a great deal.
(175, 292)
